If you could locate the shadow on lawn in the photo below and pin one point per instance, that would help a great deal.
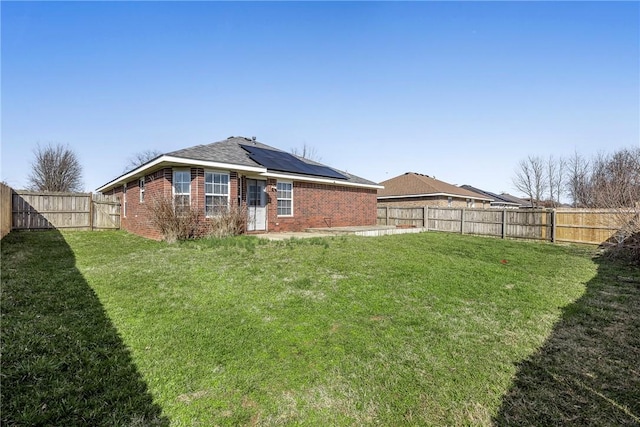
(63, 362)
(587, 372)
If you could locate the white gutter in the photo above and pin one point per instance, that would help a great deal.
(435, 194)
(170, 161)
(320, 180)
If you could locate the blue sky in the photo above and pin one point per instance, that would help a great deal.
(459, 90)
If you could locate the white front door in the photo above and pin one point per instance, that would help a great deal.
(256, 205)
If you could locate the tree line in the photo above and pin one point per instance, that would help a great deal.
(609, 181)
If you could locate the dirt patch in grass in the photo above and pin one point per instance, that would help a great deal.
(190, 397)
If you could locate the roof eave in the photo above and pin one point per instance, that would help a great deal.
(307, 178)
(464, 196)
(165, 160)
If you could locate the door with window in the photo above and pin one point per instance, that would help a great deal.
(256, 205)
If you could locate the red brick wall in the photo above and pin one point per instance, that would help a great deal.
(137, 219)
(322, 205)
(314, 205)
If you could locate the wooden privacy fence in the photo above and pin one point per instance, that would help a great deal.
(71, 211)
(575, 225)
(5, 210)
(592, 225)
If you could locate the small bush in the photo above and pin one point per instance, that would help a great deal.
(627, 250)
(224, 224)
(176, 222)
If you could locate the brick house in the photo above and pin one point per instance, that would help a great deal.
(414, 190)
(280, 191)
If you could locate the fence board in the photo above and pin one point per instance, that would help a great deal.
(105, 212)
(5, 210)
(71, 211)
(593, 226)
(444, 219)
(590, 225)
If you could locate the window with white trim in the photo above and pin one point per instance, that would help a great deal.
(216, 193)
(182, 189)
(285, 198)
(449, 201)
(141, 186)
(471, 203)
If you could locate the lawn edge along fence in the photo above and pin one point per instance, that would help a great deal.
(592, 226)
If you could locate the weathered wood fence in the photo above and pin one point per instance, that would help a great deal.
(574, 225)
(71, 211)
(5, 210)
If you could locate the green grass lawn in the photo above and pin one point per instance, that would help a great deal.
(107, 328)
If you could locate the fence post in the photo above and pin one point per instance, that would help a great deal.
(424, 216)
(462, 221)
(504, 223)
(386, 214)
(91, 211)
(553, 226)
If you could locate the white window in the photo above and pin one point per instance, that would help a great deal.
(141, 185)
(216, 193)
(124, 200)
(285, 198)
(182, 189)
(449, 201)
(471, 203)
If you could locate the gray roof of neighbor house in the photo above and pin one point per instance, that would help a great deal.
(498, 199)
(515, 199)
(229, 154)
(413, 184)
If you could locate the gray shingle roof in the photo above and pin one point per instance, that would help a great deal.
(497, 198)
(227, 151)
(230, 151)
(514, 199)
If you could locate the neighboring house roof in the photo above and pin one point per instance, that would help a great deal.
(413, 184)
(497, 199)
(514, 199)
(229, 154)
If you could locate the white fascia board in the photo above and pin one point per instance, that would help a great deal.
(177, 161)
(459, 196)
(319, 180)
(213, 165)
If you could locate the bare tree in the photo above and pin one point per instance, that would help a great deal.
(615, 185)
(578, 180)
(555, 179)
(141, 158)
(530, 178)
(55, 168)
(605, 181)
(615, 179)
(307, 152)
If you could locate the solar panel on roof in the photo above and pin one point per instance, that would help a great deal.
(285, 162)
